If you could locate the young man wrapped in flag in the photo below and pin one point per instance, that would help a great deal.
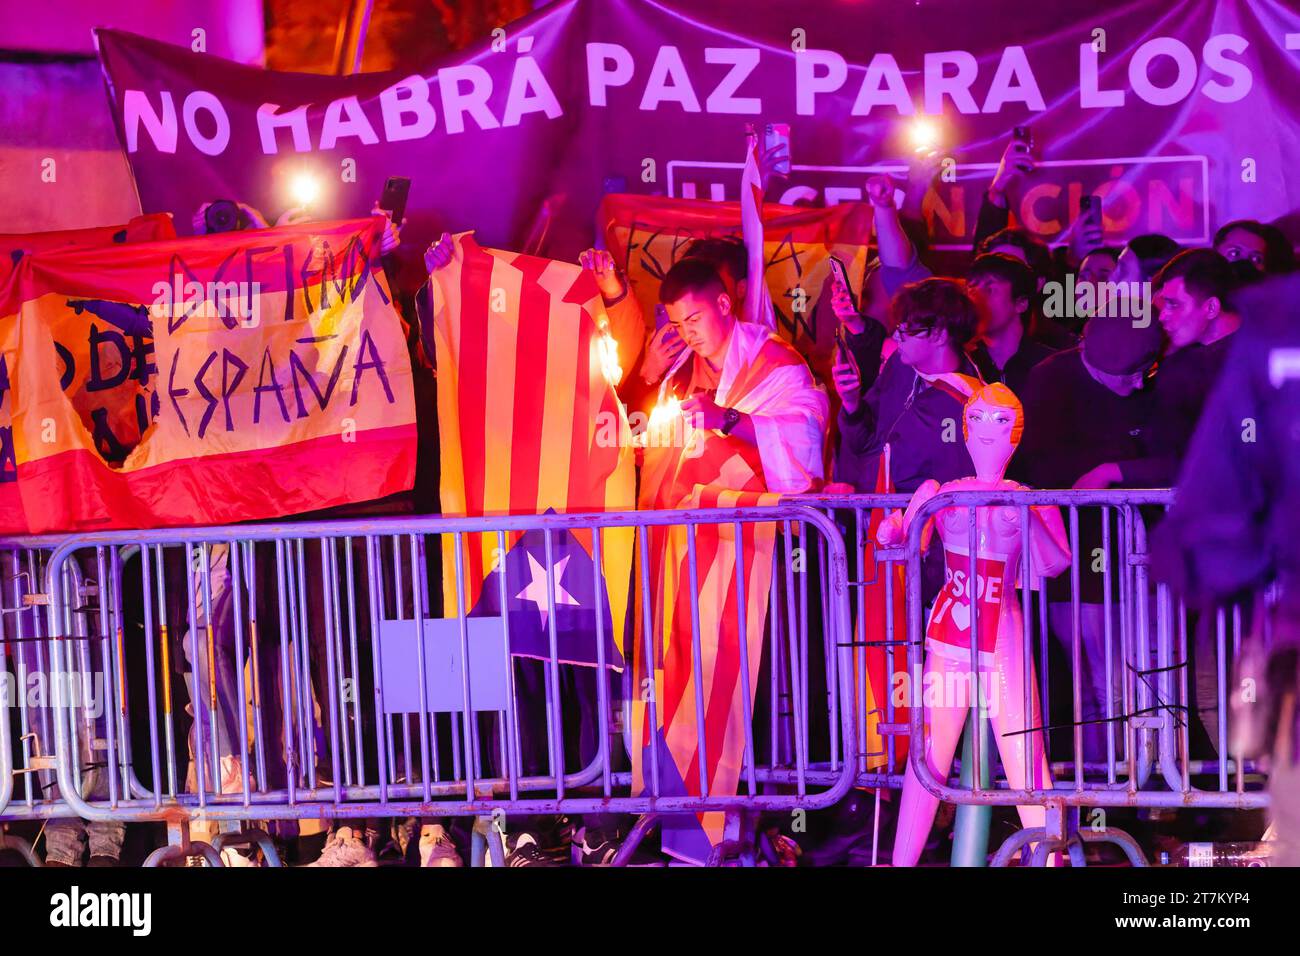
(740, 421)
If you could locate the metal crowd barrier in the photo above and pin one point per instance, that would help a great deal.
(28, 697)
(1145, 758)
(293, 709)
(316, 746)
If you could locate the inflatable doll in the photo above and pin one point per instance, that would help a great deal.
(992, 424)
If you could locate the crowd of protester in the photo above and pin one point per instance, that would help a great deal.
(1109, 401)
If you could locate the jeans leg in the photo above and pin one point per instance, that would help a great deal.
(105, 836)
(65, 841)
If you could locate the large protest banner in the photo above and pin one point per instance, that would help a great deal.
(1180, 116)
(249, 375)
(529, 423)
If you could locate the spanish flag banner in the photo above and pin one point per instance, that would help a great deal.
(528, 424)
(218, 379)
(648, 234)
(151, 228)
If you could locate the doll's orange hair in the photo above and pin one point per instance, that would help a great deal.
(999, 396)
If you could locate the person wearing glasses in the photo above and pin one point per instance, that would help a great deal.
(912, 407)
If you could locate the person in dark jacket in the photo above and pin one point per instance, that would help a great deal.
(910, 408)
(1194, 299)
(1084, 407)
(1004, 289)
(1233, 530)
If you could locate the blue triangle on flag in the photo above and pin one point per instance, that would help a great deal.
(573, 586)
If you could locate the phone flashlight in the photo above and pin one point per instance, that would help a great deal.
(305, 189)
(924, 134)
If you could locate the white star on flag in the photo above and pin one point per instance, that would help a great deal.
(536, 589)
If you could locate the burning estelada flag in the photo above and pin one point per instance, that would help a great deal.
(529, 424)
(718, 472)
(211, 380)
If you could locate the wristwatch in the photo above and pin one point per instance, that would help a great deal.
(729, 419)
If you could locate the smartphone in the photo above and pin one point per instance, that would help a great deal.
(393, 200)
(1090, 204)
(841, 273)
(843, 354)
(778, 134)
(1023, 135)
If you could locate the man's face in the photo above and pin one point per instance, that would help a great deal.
(1185, 320)
(1096, 267)
(704, 320)
(919, 347)
(1240, 244)
(997, 307)
(1122, 385)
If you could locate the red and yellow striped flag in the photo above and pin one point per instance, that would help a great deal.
(528, 419)
(724, 473)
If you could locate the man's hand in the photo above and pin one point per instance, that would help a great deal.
(880, 191)
(392, 232)
(890, 531)
(665, 346)
(922, 170)
(1103, 476)
(838, 488)
(848, 385)
(608, 279)
(1084, 235)
(1016, 162)
(769, 160)
(703, 412)
(844, 309)
(292, 216)
(439, 254)
(255, 219)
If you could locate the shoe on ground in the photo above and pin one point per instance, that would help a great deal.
(525, 851)
(595, 847)
(58, 864)
(405, 831)
(598, 847)
(436, 848)
(232, 857)
(101, 862)
(345, 847)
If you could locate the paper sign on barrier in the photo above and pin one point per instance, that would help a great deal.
(442, 665)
